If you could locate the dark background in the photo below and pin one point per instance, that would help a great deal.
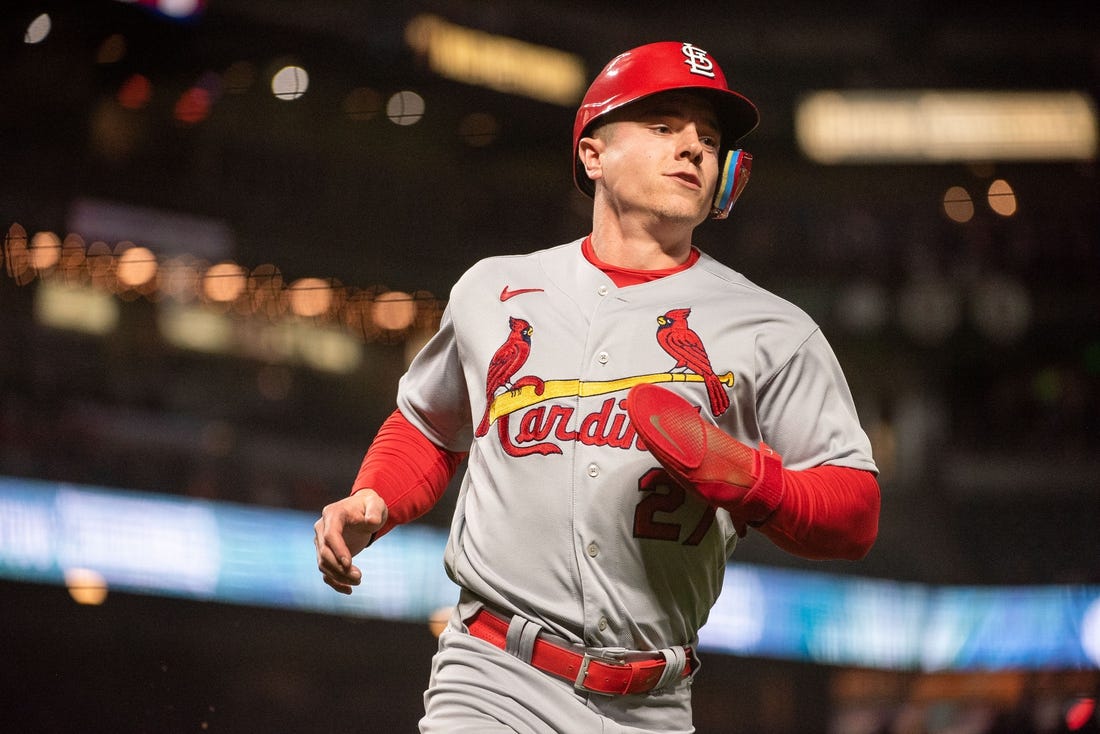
(988, 447)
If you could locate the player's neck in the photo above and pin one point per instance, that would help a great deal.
(639, 248)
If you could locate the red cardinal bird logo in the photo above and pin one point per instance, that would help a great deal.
(685, 346)
(505, 363)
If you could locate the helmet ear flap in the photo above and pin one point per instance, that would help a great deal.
(734, 176)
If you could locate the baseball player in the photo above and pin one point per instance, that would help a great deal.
(630, 407)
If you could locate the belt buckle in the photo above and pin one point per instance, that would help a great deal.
(609, 655)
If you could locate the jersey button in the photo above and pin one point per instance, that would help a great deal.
(593, 471)
(602, 624)
(603, 357)
(593, 549)
(603, 290)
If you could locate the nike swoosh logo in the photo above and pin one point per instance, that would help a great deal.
(506, 293)
(655, 421)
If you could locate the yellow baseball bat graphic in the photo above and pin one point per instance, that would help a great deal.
(528, 394)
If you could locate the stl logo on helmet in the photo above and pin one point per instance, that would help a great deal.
(698, 60)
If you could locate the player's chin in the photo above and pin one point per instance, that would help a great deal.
(686, 214)
(687, 207)
(676, 204)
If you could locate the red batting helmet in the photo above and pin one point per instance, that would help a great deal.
(660, 67)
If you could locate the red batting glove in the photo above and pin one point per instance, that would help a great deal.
(702, 458)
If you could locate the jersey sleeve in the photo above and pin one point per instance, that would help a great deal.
(432, 394)
(807, 413)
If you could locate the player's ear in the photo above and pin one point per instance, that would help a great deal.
(589, 152)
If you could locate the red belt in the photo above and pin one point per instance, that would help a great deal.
(600, 673)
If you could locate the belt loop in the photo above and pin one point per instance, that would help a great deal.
(675, 660)
(520, 640)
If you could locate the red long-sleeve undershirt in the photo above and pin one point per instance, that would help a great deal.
(409, 472)
(824, 512)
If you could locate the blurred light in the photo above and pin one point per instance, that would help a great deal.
(393, 311)
(429, 310)
(73, 259)
(497, 62)
(329, 350)
(81, 285)
(112, 50)
(274, 342)
(1001, 308)
(193, 106)
(135, 92)
(265, 291)
(180, 279)
(101, 262)
(362, 103)
(136, 266)
(929, 310)
(230, 553)
(356, 314)
(203, 329)
(176, 9)
(290, 82)
(45, 250)
(957, 204)
(863, 308)
(310, 297)
(741, 614)
(195, 328)
(1090, 632)
(223, 282)
(437, 621)
(172, 233)
(17, 259)
(405, 108)
(478, 129)
(75, 308)
(38, 29)
(179, 8)
(937, 126)
(1001, 197)
(86, 586)
(1080, 713)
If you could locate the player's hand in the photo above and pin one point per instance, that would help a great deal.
(344, 529)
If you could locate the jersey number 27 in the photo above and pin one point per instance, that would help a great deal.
(664, 496)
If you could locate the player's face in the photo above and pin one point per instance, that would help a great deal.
(660, 156)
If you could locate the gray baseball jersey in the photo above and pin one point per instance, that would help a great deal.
(562, 516)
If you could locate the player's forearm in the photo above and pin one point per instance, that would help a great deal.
(827, 512)
(406, 470)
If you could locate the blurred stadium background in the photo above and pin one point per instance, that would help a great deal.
(228, 225)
